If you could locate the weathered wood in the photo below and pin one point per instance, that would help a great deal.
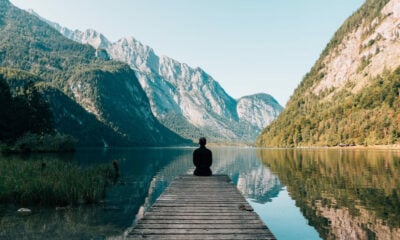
(199, 226)
(242, 214)
(188, 217)
(207, 237)
(166, 231)
(201, 208)
(204, 221)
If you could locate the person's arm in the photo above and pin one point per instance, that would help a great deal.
(209, 162)
(195, 158)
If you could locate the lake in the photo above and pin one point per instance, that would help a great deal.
(299, 194)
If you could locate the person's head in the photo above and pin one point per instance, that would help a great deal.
(202, 141)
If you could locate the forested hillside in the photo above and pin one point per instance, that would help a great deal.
(185, 99)
(26, 121)
(25, 112)
(349, 96)
(98, 101)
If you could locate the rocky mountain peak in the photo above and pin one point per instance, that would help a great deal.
(98, 101)
(249, 108)
(89, 36)
(187, 100)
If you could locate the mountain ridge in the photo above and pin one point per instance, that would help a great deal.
(79, 73)
(351, 94)
(187, 100)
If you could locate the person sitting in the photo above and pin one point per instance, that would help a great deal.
(202, 159)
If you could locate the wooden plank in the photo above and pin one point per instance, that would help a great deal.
(192, 210)
(197, 231)
(198, 214)
(233, 205)
(195, 222)
(214, 217)
(205, 237)
(201, 208)
(200, 226)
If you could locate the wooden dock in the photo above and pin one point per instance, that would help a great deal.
(201, 208)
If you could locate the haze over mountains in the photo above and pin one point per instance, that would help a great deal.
(352, 94)
(187, 100)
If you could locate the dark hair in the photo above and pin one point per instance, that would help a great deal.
(202, 141)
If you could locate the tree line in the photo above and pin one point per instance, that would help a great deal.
(370, 117)
(26, 121)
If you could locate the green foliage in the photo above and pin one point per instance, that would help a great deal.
(26, 123)
(27, 112)
(179, 124)
(351, 181)
(72, 119)
(51, 183)
(26, 43)
(368, 117)
(109, 89)
(365, 61)
(42, 143)
(31, 45)
(369, 11)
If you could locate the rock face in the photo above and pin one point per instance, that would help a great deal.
(259, 109)
(351, 95)
(102, 99)
(344, 225)
(187, 100)
(364, 53)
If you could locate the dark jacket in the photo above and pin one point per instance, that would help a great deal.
(202, 159)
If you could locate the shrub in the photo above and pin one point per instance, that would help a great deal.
(43, 143)
(52, 182)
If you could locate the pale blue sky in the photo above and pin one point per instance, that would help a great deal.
(248, 46)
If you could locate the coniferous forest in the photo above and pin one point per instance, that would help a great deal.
(26, 122)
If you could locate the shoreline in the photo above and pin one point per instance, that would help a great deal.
(357, 147)
(377, 147)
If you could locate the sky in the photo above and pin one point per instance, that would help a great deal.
(248, 46)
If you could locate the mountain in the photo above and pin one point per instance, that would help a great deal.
(258, 109)
(352, 93)
(187, 100)
(342, 194)
(98, 101)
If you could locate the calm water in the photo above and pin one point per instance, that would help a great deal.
(299, 194)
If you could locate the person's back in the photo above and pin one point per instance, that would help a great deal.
(202, 159)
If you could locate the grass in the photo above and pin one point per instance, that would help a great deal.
(41, 143)
(52, 183)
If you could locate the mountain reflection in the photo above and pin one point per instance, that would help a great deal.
(106, 220)
(253, 180)
(344, 194)
(145, 174)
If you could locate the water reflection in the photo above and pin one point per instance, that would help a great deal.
(106, 220)
(145, 175)
(344, 194)
(241, 165)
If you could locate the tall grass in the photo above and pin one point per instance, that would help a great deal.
(52, 182)
(31, 142)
